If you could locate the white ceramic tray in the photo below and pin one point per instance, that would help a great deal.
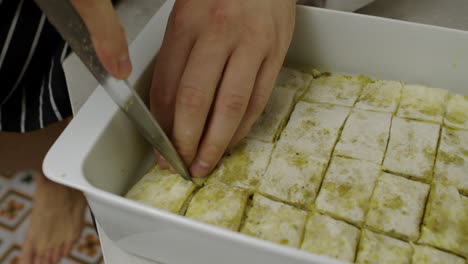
(101, 154)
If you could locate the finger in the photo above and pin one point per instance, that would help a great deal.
(26, 251)
(168, 69)
(160, 160)
(169, 66)
(47, 257)
(27, 255)
(107, 35)
(55, 255)
(229, 108)
(262, 90)
(38, 260)
(61, 251)
(66, 249)
(195, 93)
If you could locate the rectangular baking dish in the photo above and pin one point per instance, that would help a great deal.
(101, 153)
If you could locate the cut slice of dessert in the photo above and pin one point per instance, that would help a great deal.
(293, 177)
(382, 96)
(347, 189)
(422, 103)
(397, 206)
(313, 129)
(377, 248)
(365, 136)
(452, 159)
(445, 223)
(330, 237)
(457, 112)
(244, 165)
(336, 89)
(412, 149)
(218, 204)
(162, 189)
(274, 221)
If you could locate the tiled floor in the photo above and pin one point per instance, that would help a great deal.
(15, 208)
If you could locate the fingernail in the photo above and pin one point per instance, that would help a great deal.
(124, 67)
(200, 169)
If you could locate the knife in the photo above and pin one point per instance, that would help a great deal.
(71, 27)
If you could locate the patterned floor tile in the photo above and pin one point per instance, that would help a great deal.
(87, 249)
(6, 242)
(13, 209)
(16, 194)
(13, 256)
(20, 232)
(4, 186)
(23, 182)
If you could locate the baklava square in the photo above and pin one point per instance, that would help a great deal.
(275, 115)
(457, 112)
(397, 206)
(365, 136)
(336, 89)
(218, 204)
(330, 237)
(162, 189)
(244, 165)
(347, 189)
(412, 148)
(274, 221)
(452, 159)
(382, 96)
(422, 103)
(445, 220)
(377, 248)
(293, 177)
(313, 129)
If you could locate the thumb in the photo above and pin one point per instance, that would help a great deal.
(107, 35)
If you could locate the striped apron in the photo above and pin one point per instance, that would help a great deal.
(33, 91)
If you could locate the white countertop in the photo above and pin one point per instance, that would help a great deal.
(135, 14)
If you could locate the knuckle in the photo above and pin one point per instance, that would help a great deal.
(257, 104)
(179, 21)
(234, 105)
(222, 15)
(262, 31)
(192, 98)
(220, 12)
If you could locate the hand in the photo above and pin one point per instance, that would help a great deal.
(107, 35)
(215, 72)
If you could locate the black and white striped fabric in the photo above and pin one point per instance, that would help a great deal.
(33, 91)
